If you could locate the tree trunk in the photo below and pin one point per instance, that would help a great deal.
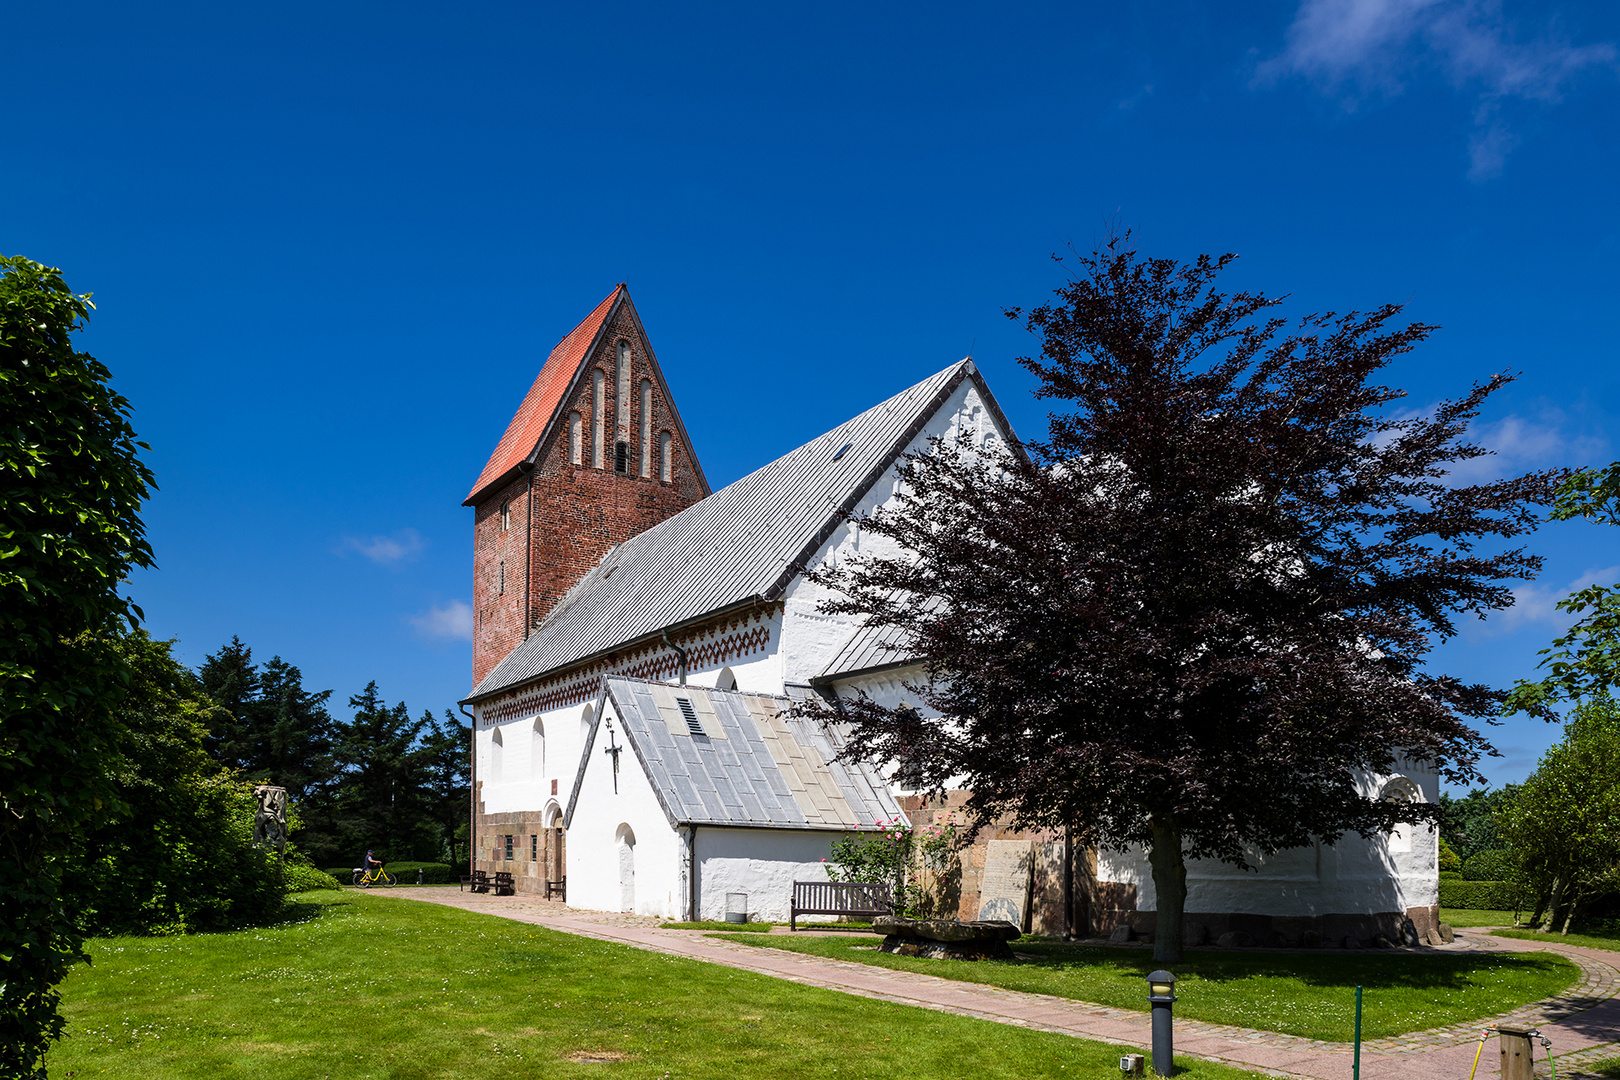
(1555, 897)
(1540, 909)
(1170, 885)
(1574, 902)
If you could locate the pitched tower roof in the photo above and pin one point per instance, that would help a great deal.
(537, 415)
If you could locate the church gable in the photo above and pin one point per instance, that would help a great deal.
(595, 454)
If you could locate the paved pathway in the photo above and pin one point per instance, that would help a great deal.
(1584, 1025)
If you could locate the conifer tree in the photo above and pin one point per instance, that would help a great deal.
(447, 767)
(380, 799)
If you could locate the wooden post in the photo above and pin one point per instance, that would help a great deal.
(1516, 1060)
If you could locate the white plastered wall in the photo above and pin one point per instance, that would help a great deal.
(522, 782)
(810, 639)
(593, 853)
(764, 863)
(1354, 876)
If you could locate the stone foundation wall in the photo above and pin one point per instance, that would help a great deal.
(537, 852)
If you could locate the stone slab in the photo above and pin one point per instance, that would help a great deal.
(1004, 887)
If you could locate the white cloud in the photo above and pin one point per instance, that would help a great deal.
(1356, 49)
(1534, 603)
(1522, 443)
(452, 620)
(401, 546)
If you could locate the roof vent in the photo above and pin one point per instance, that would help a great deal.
(692, 724)
(842, 450)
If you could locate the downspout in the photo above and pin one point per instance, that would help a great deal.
(679, 652)
(692, 877)
(472, 792)
(528, 555)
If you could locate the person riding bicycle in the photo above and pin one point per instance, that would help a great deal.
(371, 863)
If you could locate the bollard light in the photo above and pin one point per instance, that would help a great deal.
(1162, 995)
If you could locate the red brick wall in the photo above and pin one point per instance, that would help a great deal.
(579, 511)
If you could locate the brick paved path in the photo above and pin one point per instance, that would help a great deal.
(1584, 1025)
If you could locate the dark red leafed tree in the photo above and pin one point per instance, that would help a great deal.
(1199, 610)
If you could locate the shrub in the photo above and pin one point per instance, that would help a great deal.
(297, 877)
(1482, 895)
(1449, 860)
(433, 873)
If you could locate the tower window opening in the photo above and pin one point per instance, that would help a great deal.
(621, 456)
(664, 469)
(506, 516)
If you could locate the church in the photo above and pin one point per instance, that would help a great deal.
(640, 638)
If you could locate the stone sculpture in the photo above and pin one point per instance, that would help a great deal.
(270, 823)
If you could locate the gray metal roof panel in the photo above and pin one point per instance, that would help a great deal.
(738, 543)
(735, 780)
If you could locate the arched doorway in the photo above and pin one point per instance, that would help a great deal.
(626, 840)
(555, 870)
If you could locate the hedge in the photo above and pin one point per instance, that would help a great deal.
(1482, 895)
(433, 873)
(299, 878)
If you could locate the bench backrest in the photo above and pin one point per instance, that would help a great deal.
(839, 897)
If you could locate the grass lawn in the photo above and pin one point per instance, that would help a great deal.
(1310, 994)
(1470, 917)
(740, 928)
(366, 986)
(1592, 939)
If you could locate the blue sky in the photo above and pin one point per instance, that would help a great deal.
(331, 246)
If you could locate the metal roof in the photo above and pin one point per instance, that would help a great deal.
(746, 764)
(743, 542)
(870, 647)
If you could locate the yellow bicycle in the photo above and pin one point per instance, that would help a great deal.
(365, 879)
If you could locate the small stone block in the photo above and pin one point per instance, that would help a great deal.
(1447, 934)
(1121, 934)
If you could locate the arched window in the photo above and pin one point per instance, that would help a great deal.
(727, 679)
(537, 750)
(585, 719)
(621, 392)
(497, 751)
(664, 467)
(576, 439)
(1401, 790)
(598, 414)
(506, 515)
(646, 429)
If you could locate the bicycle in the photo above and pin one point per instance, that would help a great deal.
(365, 879)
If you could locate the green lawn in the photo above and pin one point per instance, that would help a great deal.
(363, 985)
(1470, 917)
(1310, 994)
(739, 928)
(1592, 939)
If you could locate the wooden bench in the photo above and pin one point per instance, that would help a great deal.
(477, 881)
(864, 899)
(558, 888)
(503, 884)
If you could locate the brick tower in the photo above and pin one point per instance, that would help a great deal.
(595, 455)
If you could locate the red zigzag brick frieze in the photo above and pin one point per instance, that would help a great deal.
(732, 639)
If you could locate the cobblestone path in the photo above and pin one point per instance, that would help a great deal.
(1584, 1024)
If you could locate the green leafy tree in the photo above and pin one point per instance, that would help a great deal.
(71, 489)
(1584, 662)
(1469, 823)
(180, 854)
(1563, 824)
(1220, 575)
